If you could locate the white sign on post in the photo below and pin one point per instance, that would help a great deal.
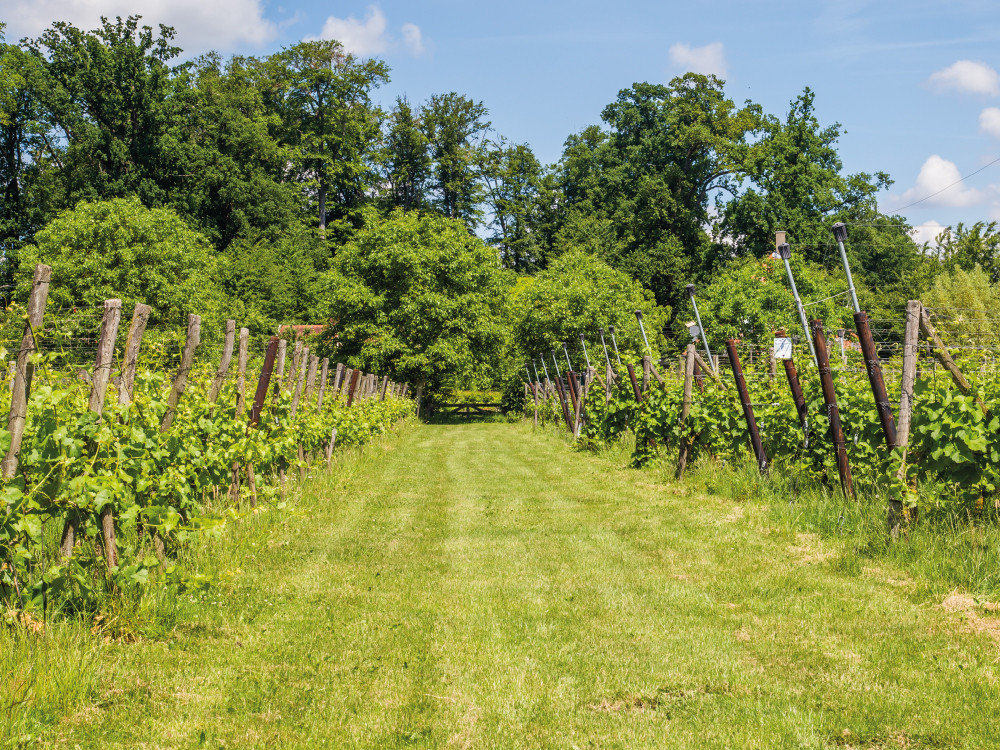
(782, 348)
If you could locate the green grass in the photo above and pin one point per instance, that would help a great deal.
(484, 586)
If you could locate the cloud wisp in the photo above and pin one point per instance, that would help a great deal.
(371, 36)
(707, 60)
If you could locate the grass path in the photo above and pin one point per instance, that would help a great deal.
(483, 587)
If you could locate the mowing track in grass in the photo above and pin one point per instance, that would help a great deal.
(482, 586)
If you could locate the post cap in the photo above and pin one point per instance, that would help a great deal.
(784, 251)
(581, 339)
(611, 330)
(638, 314)
(840, 231)
(600, 332)
(690, 290)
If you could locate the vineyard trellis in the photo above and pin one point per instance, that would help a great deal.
(941, 445)
(99, 492)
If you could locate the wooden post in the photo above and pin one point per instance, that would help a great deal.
(563, 398)
(382, 390)
(98, 391)
(772, 365)
(329, 448)
(241, 403)
(942, 356)
(338, 379)
(832, 412)
(227, 358)
(126, 382)
(282, 351)
(685, 448)
(748, 415)
(301, 379)
(323, 376)
(700, 363)
(647, 365)
(311, 377)
(25, 368)
(180, 380)
(293, 370)
(911, 338)
(241, 372)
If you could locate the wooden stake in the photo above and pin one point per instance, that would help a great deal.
(180, 380)
(25, 368)
(685, 448)
(126, 383)
(324, 375)
(224, 362)
(942, 356)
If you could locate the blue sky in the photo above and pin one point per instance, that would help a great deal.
(915, 85)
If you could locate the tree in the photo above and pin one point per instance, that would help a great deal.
(106, 92)
(968, 247)
(579, 293)
(419, 298)
(668, 151)
(406, 163)
(455, 128)
(325, 98)
(511, 176)
(966, 301)
(120, 249)
(797, 186)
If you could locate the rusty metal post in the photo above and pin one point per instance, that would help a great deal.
(635, 384)
(832, 413)
(265, 380)
(561, 392)
(874, 368)
(792, 375)
(748, 415)
(355, 378)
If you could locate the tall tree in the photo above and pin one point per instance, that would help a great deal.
(325, 96)
(511, 177)
(456, 127)
(406, 161)
(106, 91)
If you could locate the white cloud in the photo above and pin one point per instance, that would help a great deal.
(201, 24)
(936, 179)
(989, 121)
(967, 76)
(927, 232)
(708, 60)
(371, 36)
(412, 38)
(360, 37)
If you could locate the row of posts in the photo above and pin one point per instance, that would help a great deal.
(300, 379)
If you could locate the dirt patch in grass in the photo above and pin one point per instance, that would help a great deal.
(978, 616)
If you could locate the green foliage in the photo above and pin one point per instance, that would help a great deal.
(579, 293)
(74, 464)
(974, 301)
(969, 247)
(749, 299)
(118, 248)
(420, 298)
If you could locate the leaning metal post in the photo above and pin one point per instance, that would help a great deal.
(611, 330)
(785, 253)
(704, 337)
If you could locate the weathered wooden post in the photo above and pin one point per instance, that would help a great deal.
(911, 338)
(685, 442)
(224, 362)
(748, 415)
(264, 382)
(126, 383)
(324, 375)
(833, 414)
(25, 368)
(355, 377)
(187, 362)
